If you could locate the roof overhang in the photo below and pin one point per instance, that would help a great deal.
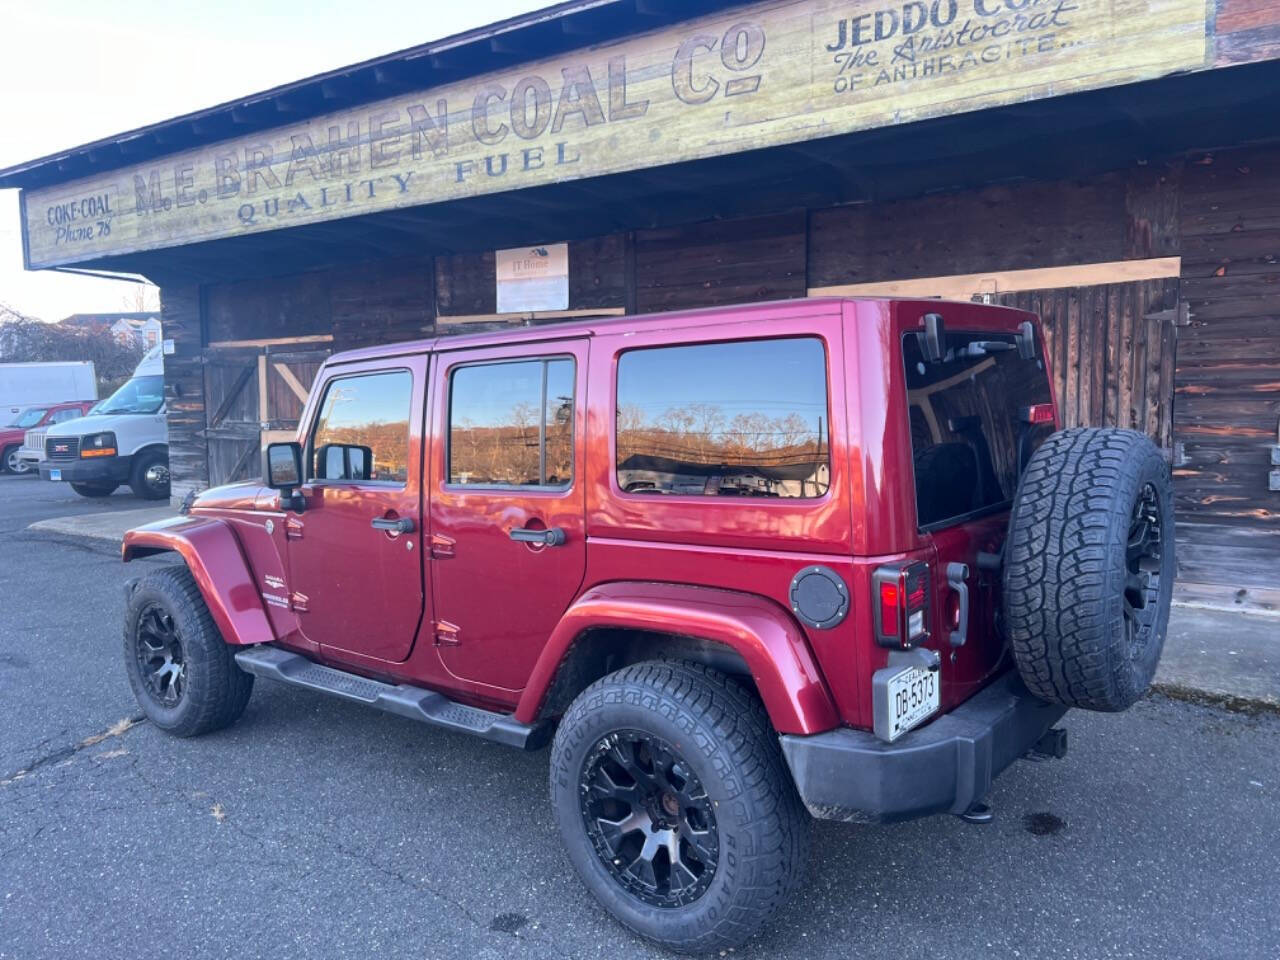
(751, 82)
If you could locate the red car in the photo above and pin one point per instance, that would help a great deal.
(33, 418)
(734, 565)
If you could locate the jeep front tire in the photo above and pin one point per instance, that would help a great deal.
(182, 672)
(676, 807)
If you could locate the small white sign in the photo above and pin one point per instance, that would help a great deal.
(167, 348)
(533, 278)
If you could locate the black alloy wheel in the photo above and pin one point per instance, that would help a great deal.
(649, 819)
(1142, 566)
(161, 656)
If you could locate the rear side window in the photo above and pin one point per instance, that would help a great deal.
(745, 419)
(362, 432)
(511, 424)
(968, 437)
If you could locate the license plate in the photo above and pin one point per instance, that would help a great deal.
(55, 474)
(913, 697)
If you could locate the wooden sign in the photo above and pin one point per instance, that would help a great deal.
(756, 76)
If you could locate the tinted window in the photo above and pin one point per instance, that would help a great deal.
(362, 432)
(511, 424)
(71, 413)
(725, 419)
(968, 437)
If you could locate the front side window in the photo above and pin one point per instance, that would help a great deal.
(968, 435)
(745, 419)
(511, 424)
(362, 431)
(30, 418)
(70, 413)
(139, 395)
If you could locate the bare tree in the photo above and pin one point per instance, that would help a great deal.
(30, 341)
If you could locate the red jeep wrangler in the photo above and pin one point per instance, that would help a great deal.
(822, 554)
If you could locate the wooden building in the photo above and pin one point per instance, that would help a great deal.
(1114, 166)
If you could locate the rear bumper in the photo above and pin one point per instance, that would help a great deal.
(98, 471)
(944, 767)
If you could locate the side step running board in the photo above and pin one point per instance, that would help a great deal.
(406, 701)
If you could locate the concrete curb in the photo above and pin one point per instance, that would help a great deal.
(110, 526)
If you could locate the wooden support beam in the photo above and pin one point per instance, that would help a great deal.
(273, 341)
(291, 381)
(531, 316)
(965, 286)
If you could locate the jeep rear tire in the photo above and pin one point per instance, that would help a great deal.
(1089, 568)
(182, 672)
(676, 807)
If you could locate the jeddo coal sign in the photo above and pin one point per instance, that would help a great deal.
(757, 76)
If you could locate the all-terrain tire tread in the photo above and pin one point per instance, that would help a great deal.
(1065, 562)
(779, 828)
(219, 702)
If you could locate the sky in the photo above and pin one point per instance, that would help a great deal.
(73, 71)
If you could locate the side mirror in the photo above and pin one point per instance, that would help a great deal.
(283, 471)
(344, 461)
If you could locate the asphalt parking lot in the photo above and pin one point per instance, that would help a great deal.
(314, 828)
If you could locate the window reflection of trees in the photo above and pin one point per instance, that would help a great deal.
(742, 446)
(370, 412)
(496, 431)
(700, 446)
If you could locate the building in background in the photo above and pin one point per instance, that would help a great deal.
(141, 329)
(1114, 167)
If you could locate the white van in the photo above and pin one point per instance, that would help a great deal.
(124, 441)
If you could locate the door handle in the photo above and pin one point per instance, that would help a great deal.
(398, 525)
(957, 574)
(548, 538)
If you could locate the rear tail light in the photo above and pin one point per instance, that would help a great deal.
(901, 604)
(1038, 413)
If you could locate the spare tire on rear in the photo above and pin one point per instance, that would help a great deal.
(1089, 566)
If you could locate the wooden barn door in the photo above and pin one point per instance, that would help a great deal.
(252, 392)
(1112, 352)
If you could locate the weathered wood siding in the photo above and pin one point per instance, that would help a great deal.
(1007, 227)
(1245, 31)
(721, 262)
(277, 307)
(1111, 351)
(1227, 401)
(180, 313)
(382, 301)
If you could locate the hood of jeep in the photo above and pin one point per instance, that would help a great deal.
(246, 495)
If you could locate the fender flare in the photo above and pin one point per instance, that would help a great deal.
(213, 555)
(757, 629)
